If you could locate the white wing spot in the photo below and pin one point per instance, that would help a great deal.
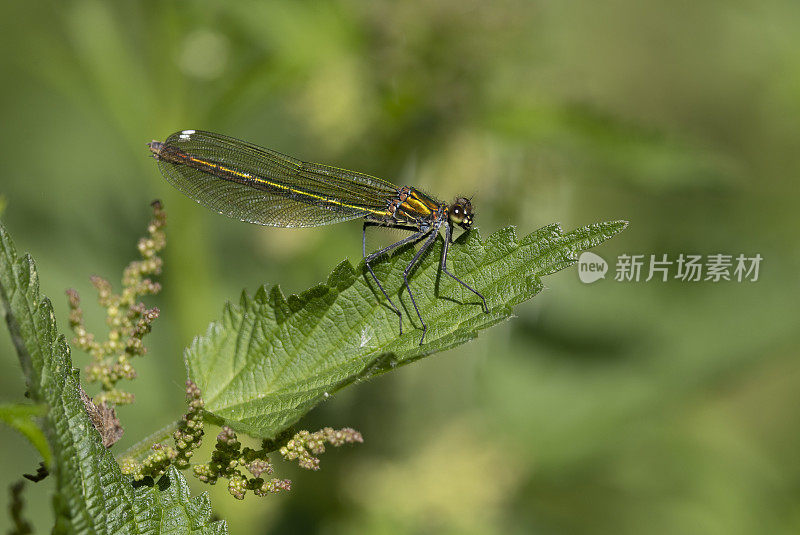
(186, 133)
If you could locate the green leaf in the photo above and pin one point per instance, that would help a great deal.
(92, 495)
(269, 360)
(20, 417)
(168, 508)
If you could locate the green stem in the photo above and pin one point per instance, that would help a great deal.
(138, 450)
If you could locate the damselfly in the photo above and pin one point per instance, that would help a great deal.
(261, 186)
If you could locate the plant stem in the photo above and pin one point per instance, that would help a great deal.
(138, 450)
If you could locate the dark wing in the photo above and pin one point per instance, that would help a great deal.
(261, 186)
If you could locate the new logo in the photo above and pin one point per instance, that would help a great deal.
(591, 267)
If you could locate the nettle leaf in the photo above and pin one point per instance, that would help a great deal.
(92, 495)
(270, 359)
(21, 417)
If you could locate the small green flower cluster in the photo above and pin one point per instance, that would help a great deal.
(226, 461)
(154, 465)
(189, 434)
(303, 444)
(128, 320)
(187, 437)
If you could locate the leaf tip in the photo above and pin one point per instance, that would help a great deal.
(614, 227)
(342, 275)
(244, 299)
(261, 296)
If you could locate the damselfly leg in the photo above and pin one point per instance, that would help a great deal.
(431, 233)
(372, 256)
(434, 233)
(448, 235)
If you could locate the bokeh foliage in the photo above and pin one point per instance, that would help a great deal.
(673, 410)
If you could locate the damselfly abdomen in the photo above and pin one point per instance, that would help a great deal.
(261, 186)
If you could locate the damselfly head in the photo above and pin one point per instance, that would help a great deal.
(461, 213)
(155, 148)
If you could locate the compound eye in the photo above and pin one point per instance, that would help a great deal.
(457, 213)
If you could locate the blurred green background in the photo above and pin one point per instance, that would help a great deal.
(617, 407)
